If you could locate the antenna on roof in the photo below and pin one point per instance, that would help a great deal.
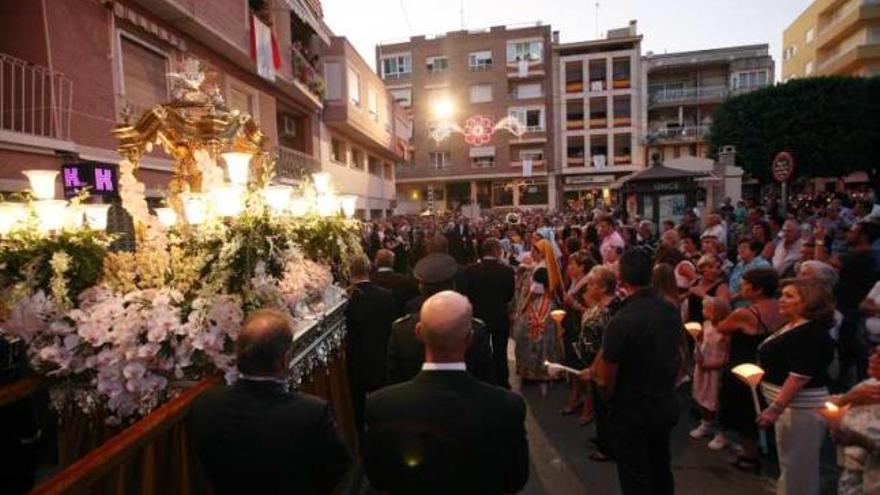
(598, 35)
(461, 11)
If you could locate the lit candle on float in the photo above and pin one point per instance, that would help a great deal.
(52, 214)
(96, 215)
(228, 200)
(237, 166)
(277, 198)
(167, 217)
(42, 183)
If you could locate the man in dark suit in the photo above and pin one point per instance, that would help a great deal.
(490, 286)
(255, 436)
(640, 363)
(444, 432)
(461, 242)
(371, 310)
(402, 286)
(435, 272)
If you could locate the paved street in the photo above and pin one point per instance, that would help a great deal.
(559, 450)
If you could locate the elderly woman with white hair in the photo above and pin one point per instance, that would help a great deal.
(819, 271)
(826, 275)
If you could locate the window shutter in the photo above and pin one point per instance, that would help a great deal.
(144, 76)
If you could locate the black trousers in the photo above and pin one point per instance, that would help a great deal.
(642, 454)
(604, 443)
(500, 335)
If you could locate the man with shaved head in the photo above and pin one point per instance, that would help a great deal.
(255, 436)
(444, 431)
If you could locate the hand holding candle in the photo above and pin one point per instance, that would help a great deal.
(560, 367)
(557, 315)
(694, 328)
(832, 413)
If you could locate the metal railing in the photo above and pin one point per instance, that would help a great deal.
(410, 171)
(688, 132)
(294, 165)
(677, 95)
(34, 100)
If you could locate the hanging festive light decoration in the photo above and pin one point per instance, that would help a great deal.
(478, 130)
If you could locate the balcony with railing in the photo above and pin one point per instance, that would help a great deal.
(676, 96)
(306, 70)
(291, 164)
(685, 133)
(34, 100)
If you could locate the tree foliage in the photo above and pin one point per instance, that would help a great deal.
(830, 124)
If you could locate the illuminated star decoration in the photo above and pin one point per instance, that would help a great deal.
(478, 130)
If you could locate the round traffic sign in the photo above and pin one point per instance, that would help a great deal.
(782, 168)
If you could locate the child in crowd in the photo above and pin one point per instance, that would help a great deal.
(710, 354)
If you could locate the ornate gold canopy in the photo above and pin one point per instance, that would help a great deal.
(193, 120)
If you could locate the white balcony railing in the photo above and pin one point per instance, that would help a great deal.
(688, 132)
(34, 100)
(678, 95)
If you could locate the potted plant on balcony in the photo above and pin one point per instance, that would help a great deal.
(317, 86)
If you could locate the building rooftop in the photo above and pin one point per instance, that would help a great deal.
(463, 32)
(716, 55)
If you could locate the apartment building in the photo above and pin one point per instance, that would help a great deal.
(684, 88)
(833, 37)
(471, 80)
(70, 70)
(365, 133)
(599, 89)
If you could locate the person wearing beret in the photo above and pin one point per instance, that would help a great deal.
(435, 272)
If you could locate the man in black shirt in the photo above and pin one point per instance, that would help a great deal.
(640, 362)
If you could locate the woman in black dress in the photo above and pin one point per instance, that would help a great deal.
(747, 327)
(579, 264)
(795, 360)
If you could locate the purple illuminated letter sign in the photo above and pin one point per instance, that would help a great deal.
(103, 179)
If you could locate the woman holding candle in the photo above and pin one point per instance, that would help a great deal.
(538, 338)
(602, 304)
(854, 419)
(747, 327)
(795, 360)
(579, 264)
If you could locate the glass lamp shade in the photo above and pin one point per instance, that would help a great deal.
(10, 215)
(349, 204)
(167, 217)
(74, 218)
(228, 201)
(237, 166)
(96, 216)
(299, 207)
(327, 205)
(42, 183)
(277, 197)
(52, 213)
(322, 182)
(195, 208)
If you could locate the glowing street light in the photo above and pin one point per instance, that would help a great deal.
(443, 109)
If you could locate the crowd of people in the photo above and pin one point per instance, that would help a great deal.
(647, 313)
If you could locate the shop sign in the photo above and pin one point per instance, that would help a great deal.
(665, 186)
(100, 179)
(589, 179)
